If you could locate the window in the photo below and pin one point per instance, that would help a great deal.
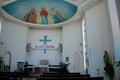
(0, 26)
(84, 46)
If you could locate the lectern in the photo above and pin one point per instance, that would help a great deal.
(20, 66)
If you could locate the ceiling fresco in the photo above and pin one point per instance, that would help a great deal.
(43, 12)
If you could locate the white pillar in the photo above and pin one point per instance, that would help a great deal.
(116, 32)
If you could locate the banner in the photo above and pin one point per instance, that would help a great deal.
(38, 46)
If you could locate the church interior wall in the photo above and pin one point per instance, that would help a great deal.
(72, 37)
(16, 36)
(13, 38)
(118, 11)
(114, 17)
(99, 37)
(53, 55)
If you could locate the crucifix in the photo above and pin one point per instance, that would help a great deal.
(45, 40)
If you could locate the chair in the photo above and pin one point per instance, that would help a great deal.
(44, 65)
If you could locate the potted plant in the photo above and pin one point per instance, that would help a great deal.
(63, 67)
(26, 71)
(6, 68)
(1, 63)
(109, 70)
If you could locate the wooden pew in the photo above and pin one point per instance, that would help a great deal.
(69, 78)
(11, 75)
(64, 75)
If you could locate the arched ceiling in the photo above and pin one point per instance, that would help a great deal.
(45, 13)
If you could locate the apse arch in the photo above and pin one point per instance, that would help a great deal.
(58, 12)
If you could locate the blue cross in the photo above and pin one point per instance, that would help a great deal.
(45, 40)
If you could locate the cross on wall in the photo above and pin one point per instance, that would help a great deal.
(45, 40)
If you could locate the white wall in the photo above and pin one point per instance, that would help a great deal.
(72, 37)
(15, 37)
(35, 34)
(14, 40)
(99, 37)
(115, 22)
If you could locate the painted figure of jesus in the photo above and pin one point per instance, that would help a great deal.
(44, 14)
